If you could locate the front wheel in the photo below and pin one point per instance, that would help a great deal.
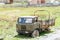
(35, 33)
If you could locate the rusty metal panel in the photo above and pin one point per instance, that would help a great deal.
(44, 24)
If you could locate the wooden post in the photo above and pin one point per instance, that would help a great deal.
(42, 1)
(11, 1)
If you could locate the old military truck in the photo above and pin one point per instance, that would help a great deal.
(32, 25)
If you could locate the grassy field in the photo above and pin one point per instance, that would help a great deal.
(8, 17)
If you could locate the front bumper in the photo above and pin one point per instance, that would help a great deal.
(24, 32)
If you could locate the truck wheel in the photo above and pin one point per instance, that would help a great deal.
(35, 33)
(19, 33)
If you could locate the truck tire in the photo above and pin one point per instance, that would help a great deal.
(19, 32)
(35, 33)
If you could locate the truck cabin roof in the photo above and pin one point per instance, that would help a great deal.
(28, 17)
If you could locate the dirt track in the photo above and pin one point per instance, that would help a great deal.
(51, 36)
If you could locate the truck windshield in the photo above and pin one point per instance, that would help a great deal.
(25, 20)
(28, 21)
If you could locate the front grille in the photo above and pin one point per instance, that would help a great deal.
(23, 27)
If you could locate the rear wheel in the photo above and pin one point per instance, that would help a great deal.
(35, 33)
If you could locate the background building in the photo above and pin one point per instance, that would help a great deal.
(6, 1)
(36, 1)
(30, 1)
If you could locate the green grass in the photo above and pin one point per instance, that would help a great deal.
(9, 16)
